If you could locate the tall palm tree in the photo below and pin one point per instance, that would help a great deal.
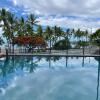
(20, 27)
(95, 38)
(54, 38)
(3, 20)
(40, 31)
(66, 36)
(9, 25)
(59, 32)
(12, 27)
(31, 22)
(78, 34)
(49, 35)
(32, 19)
(86, 35)
(29, 30)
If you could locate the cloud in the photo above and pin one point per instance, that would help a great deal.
(14, 2)
(67, 22)
(85, 13)
(63, 7)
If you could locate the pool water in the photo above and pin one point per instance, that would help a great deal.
(49, 78)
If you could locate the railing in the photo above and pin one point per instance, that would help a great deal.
(73, 51)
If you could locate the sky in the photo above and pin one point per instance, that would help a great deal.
(84, 14)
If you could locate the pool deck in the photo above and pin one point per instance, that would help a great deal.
(71, 53)
(56, 55)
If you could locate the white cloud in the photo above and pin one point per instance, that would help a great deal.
(69, 22)
(84, 9)
(14, 2)
(65, 7)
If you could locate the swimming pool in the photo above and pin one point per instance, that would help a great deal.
(49, 78)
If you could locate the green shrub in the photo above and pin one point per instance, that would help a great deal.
(62, 45)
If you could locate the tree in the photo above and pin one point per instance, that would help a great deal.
(12, 27)
(55, 30)
(59, 32)
(67, 36)
(9, 25)
(32, 20)
(49, 35)
(78, 34)
(21, 27)
(81, 39)
(62, 45)
(40, 31)
(4, 24)
(95, 38)
(86, 34)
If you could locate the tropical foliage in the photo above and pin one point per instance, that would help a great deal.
(21, 31)
(62, 45)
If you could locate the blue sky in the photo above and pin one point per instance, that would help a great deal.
(83, 14)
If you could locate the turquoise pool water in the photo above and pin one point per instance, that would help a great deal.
(52, 78)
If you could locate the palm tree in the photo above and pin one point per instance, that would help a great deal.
(12, 27)
(20, 27)
(86, 35)
(59, 32)
(32, 20)
(9, 25)
(81, 39)
(29, 30)
(40, 31)
(78, 34)
(49, 35)
(55, 30)
(95, 38)
(66, 36)
(3, 20)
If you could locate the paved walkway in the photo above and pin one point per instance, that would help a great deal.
(62, 55)
(71, 53)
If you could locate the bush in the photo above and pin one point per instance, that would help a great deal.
(62, 45)
(81, 44)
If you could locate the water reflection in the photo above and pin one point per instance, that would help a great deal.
(66, 62)
(15, 66)
(98, 77)
(18, 66)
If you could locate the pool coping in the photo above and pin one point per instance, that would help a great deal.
(56, 55)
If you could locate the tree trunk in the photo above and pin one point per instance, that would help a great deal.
(67, 45)
(13, 48)
(83, 50)
(50, 45)
(99, 50)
